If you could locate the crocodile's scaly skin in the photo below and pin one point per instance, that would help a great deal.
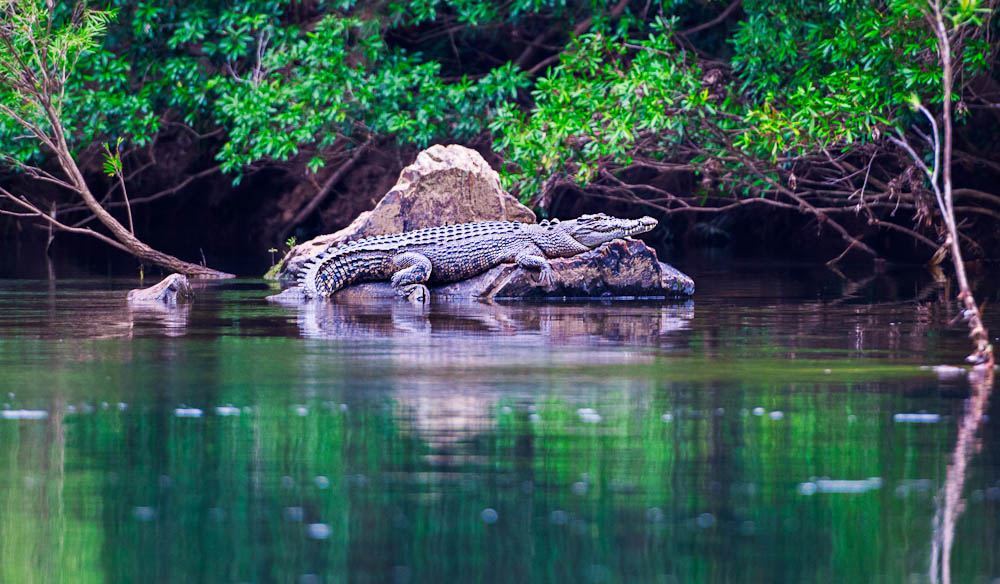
(455, 252)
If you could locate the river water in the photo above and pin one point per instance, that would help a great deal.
(784, 426)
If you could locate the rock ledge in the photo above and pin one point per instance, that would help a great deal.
(453, 184)
(445, 184)
(170, 291)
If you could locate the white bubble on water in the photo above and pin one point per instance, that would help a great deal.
(319, 531)
(826, 485)
(227, 411)
(535, 418)
(321, 482)
(948, 371)
(758, 411)
(24, 414)
(588, 415)
(300, 410)
(918, 418)
(506, 410)
(667, 417)
(489, 516)
(188, 413)
(807, 488)
(776, 415)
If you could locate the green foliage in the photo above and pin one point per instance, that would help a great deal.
(793, 77)
(606, 92)
(806, 76)
(340, 77)
(113, 159)
(277, 89)
(37, 56)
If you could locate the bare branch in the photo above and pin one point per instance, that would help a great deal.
(715, 21)
(33, 211)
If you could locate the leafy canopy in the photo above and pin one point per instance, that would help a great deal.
(791, 76)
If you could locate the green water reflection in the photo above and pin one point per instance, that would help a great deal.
(243, 442)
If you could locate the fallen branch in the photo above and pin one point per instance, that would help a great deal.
(37, 76)
(33, 211)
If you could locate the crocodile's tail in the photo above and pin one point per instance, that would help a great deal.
(341, 266)
(314, 283)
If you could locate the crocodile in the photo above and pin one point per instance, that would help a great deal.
(449, 253)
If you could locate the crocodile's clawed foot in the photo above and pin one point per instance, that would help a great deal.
(416, 293)
(546, 279)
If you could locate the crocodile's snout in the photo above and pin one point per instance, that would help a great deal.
(642, 225)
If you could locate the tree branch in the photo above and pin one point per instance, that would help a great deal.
(715, 21)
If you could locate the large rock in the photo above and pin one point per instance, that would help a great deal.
(445, 184)
(619, 269)
(171, 291)
(453, 184)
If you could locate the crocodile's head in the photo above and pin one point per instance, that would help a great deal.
(594, 230)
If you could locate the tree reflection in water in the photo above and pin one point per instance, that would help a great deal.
(949, 502)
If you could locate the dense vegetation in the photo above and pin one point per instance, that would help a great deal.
(683, 107)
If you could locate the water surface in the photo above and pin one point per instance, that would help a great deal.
(783, 426)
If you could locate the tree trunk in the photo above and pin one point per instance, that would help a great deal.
(970, 310)
(136, 247)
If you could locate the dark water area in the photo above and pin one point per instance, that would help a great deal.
(785, 425)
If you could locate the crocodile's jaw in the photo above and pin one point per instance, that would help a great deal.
(640, 225)
(595, 230)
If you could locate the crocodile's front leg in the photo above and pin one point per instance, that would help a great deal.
(533, 259)
(412, 270)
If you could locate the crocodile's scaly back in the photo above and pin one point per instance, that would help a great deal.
(450, 253)
(368, 259)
